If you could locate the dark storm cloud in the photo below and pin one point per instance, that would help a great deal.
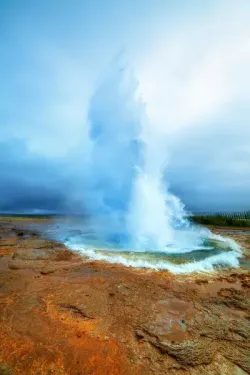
(210, 167)
(28, 182)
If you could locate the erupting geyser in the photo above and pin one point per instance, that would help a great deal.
(133, 218)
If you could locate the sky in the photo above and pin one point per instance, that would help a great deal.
(191, 60)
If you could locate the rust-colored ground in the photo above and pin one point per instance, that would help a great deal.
(62, 314)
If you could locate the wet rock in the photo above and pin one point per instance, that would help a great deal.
(44, 256)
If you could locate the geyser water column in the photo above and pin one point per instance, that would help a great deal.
(128, 203)
(155, 214)
(115, 127)
(132, 217)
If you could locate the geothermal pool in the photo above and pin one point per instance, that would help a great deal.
(202, 251)
(199, 260)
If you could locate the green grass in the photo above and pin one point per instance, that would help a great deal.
(23, 217)
(234, 219)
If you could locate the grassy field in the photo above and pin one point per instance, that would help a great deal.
(234, 219)
(30, 217)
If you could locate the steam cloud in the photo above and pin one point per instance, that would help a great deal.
(130, 209)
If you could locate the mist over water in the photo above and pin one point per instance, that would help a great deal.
(132, 218)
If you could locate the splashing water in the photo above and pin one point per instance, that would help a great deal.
(132, 217)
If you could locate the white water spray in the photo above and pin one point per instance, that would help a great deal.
(131, 211)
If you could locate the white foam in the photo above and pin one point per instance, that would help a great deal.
(224, 259)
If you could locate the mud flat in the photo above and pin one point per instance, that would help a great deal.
(63, 314)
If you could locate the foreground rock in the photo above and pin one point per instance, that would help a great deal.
(62, 314)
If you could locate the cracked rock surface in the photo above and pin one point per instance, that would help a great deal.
(63, 314)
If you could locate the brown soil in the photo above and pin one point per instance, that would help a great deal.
(62, 314)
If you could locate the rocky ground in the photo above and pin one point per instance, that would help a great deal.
(62, 314)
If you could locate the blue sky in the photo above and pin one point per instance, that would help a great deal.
(191, 60)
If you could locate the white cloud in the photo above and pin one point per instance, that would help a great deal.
(196, 73)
